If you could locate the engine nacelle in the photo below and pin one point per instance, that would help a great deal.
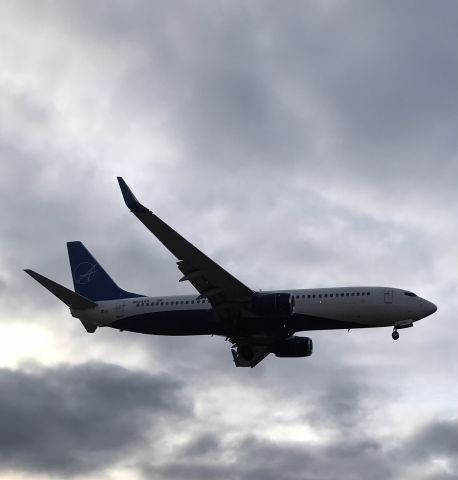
(273, 304)
(294, 347)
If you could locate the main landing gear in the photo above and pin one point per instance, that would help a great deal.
(395, 334)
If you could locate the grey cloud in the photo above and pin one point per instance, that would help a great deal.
(66, 420)
(255, 458)
(238, 82)
(247, 87)
(342, 402)
(357, 456)
(203, 444)
(437, 439)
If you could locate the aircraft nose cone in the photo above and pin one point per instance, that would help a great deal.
(430, 308)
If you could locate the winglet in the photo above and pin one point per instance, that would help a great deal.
(129, 198)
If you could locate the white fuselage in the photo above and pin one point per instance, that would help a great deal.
(315, 309)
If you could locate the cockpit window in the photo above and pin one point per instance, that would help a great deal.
(410, 294)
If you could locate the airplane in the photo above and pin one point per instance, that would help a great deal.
(256, 323)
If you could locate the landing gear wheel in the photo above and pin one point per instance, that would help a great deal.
(395, 335)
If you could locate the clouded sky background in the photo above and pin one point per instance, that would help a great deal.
(299, 144)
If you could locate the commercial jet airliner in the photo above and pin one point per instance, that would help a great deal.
(256, 323)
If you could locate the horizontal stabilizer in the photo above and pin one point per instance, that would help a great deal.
(70, 298)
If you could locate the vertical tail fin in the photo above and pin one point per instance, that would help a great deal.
(89, 277)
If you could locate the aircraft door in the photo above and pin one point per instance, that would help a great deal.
(388, 296)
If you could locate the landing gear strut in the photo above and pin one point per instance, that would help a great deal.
(395, 334)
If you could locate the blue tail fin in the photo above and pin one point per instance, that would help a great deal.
(89, 277)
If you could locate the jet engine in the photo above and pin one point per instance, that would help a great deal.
(273, 304)
(293, 347)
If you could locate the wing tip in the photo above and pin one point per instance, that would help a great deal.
(129, 198)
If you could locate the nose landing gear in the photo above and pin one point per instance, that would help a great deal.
(399, 325)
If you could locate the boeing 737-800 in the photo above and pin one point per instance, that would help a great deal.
(256, 323)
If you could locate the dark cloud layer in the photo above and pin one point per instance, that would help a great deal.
(344, 457)
(437, 440)
(71, 420)
(67, 420)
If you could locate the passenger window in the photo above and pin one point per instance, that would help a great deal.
(347, 294)
(368, 293)
(186, 302)
(319, 296)
(357, 294)
(331, 295)
(192, 301)
(362, 293)
(314, 296)
(352, 294)
(308, 296)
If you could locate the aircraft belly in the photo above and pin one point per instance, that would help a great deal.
(324, 317)
(303, 322)
(204, 322)
(178, 322)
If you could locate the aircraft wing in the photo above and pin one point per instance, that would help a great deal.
(210, 280)
(228, 295)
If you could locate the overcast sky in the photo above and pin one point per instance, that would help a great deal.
(299, 144)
